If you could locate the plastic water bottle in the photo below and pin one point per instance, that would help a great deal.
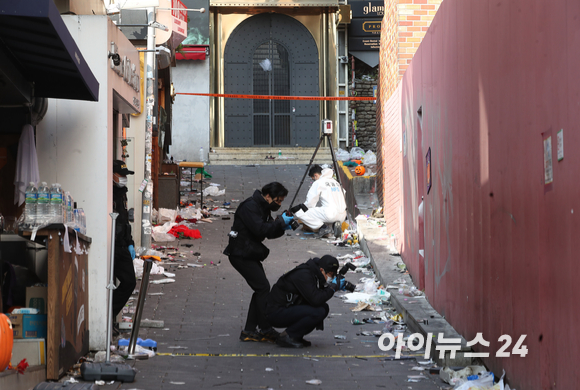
(30, 206)
(42, 215)
(201, 155)
(69, 209)
(76, 218)
(56, 204)
(279, 152)
(82, 222)
(66, 202)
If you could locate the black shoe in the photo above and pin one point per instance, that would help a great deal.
(270, 336)
(305, 343)
(250, 336)
(288, 342)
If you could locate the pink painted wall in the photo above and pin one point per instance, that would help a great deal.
(493, 79)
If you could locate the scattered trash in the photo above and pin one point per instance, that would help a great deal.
(455, 378)
(314, 382)
(177, 383)
(340, 337)
(195, 265)
(100, 383)
(269, 369)
(162, 281)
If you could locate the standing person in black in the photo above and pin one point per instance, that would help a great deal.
(124, 245)
(298, 300)
(252, 225)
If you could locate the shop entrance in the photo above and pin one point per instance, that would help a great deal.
(271, 54)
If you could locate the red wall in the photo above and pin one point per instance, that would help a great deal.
(493, 78)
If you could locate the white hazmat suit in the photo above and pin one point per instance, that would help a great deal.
(331, 196)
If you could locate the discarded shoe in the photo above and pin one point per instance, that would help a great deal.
(250, 336)
(337, 229)
(270, 336)
(323, 231)
(286, 341)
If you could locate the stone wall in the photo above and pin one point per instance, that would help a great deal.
(365, 115)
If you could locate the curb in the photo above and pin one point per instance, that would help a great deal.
(418, 314)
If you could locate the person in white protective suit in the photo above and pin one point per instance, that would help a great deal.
(332, 209)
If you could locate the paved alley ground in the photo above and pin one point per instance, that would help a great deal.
(205, 309)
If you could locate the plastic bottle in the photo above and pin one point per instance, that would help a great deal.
(76, 218)
(83, 224)
(30, 206)
(56, 203)
(68, 205)
(201, 155)
(42, 204)
(279, 152)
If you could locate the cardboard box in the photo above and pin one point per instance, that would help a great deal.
(28, 326)
(33, 350)
(36, 297)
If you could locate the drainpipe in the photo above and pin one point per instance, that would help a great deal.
(150, 119)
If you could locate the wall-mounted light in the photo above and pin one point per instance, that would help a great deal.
(116, 58)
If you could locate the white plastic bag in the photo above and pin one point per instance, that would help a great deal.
(190, 213)
(342, 155)
(369, 158)
(356, 153)
(166, 215)
(213, 191)
(485, 382)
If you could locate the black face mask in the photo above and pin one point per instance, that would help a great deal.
(274, 206)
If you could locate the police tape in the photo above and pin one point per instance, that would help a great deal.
(276, 97)
(270, 355)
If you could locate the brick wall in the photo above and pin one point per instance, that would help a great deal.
(404, 25)
(415, 17)
(388, 79)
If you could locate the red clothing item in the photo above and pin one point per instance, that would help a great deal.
(185, 231)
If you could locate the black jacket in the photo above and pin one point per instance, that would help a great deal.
(123, 236)
(253, 223)
(304, 285)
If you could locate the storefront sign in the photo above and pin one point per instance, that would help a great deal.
(365, 27)
(358, 43)
(367, 9)
(125, 69)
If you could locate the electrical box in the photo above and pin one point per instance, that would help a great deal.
(326, 126)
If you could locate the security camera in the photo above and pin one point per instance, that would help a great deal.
(116, 58)
(343, 59)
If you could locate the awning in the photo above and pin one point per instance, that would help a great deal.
(192, 53)
(35, 40)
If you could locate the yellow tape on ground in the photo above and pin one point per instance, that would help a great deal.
(270, 355)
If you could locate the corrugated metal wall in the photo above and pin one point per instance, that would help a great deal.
(493, 79)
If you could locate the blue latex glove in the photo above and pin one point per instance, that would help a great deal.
(132, 251)
(287, 219)
(340, 282)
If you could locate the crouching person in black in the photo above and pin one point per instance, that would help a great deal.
(253, 223)
(297, 301)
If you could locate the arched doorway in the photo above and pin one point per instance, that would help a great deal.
(271, 54)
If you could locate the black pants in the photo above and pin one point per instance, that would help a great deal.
(125, 272)
(299, 320)
(253, 272)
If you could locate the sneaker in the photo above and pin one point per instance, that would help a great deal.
(270, 336)
(250, 336)
(337, 228)
(286, 341)
(323, 231)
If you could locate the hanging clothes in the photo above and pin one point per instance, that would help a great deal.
(26, 164)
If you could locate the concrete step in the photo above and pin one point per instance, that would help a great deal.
(246, 156)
